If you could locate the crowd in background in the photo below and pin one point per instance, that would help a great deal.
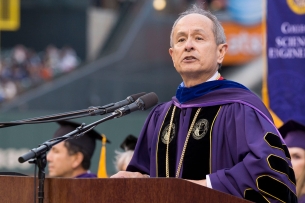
(22, 68)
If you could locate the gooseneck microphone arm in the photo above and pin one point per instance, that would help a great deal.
(39, 153)
(141, 103)
(91, 111)
(46, 146)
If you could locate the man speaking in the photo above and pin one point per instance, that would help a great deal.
(214, 132)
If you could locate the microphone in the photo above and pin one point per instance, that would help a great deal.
(114, 106)
(91, 111)
(142, 103)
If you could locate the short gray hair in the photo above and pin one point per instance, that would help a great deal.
(217, 29)
(122, 159)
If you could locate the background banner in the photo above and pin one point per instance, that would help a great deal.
(284, 84)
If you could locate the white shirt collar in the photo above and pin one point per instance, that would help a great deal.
(214, 77)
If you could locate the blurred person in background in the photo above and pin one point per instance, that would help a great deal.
(22, 68)
(8, 89)
(122, 159)
(214, 132)
(294, 135)
(51, 60)
(68, 59)
(72, 157)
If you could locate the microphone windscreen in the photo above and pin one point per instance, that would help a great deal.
(150, 100)
(136, 96)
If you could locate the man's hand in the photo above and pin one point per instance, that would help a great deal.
(127, 174)
(199, 182)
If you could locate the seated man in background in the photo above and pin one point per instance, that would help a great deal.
(294, 135)
(122, 159)
(72, 157)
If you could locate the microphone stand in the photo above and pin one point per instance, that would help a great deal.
(39, 154)
(91, 111)
(41, 162)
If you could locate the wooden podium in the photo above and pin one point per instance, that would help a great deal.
(17, 189)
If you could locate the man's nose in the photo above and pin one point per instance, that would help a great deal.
(49, 156)
(189, 46)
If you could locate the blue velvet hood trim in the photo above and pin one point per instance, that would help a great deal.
(185, 94)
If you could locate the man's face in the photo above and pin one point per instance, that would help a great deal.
(297, 160)
(60, 163)
(194, 53)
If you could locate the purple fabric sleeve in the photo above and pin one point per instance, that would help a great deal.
(239, 150)
(241, 153)
(87, 175)
(302, 199)
(143, 159)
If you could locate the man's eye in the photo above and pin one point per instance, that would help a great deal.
(296, 156)
(54, 150)
(199, 38)
(181, 40)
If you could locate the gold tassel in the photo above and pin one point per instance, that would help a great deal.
(277, 121)
(102, 171)
(265, 95)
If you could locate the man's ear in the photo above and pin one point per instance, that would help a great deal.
(171, 54)
(77, 159)
(221, 51)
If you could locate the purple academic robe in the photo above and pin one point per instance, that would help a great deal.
(249, 158)
(86, 175)
(302, 199)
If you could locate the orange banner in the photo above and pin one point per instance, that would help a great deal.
(245, 43)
